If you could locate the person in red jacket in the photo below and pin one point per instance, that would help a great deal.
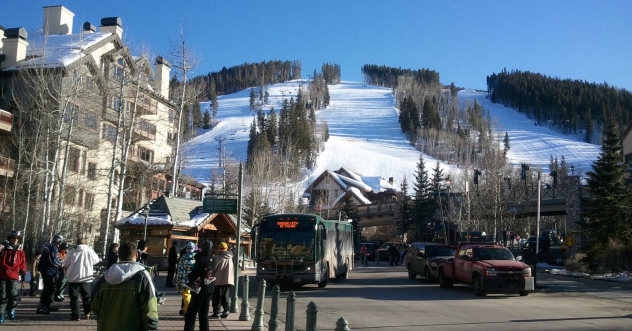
(12, 266)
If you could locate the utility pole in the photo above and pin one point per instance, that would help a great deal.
(537, 235)
(233, 302)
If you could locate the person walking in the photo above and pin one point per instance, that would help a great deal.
(224, 279)
(363, 254)
(12, 266)
(35, 274)
(79, 264)
(125, 297)
(112, 255)
(48, 266)
(62, 280)
(393, 253)
(185, 266)
(172, 261)
(202, 273)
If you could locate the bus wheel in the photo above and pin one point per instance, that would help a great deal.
(323, 282)
(346, 274)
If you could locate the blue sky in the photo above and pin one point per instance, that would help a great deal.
(463, 40)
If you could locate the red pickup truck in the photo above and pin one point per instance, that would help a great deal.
(489, 268)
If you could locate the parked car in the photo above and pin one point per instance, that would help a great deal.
(423, 259)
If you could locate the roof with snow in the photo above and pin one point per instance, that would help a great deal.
(52, 51)
(354, 184)
(177, 212)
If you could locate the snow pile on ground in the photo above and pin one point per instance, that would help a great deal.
(622, 277)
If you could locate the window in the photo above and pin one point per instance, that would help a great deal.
(90, 120)
(115, 103)
(92, 170)
(84, 161)
(71, 111)
(108, 133)
(89, 201)
(80, 198)
(146, 154)
(172, 115)
(73, 159)
(89, 83)
(117, 70)
(69, 197)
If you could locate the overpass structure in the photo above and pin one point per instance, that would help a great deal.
(563, 199)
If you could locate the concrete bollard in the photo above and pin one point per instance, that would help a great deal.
(289, 311)
(245, 311)
(312, 312)
(342, 325)
(274, 309)
(257, 324)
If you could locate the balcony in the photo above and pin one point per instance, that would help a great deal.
(6, 121)
(7, 166)
(145, 131)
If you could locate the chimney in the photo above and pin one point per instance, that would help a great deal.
(1, 37)
(390, 180)
(57, 20)
(163, 70)
(14, 47)
(89, 28)
(112, 25)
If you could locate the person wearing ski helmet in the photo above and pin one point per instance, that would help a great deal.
(49, 267)
(12, 268)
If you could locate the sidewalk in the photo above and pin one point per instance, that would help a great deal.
(27, 320)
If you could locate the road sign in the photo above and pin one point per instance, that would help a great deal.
(219, 206)
(569, 241)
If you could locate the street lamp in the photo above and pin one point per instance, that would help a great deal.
(447, 184)
(146, 212)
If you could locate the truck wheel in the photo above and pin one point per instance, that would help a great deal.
(444, 282)
(411, 274)
(523, 293)
(477, 285)
(427, 275)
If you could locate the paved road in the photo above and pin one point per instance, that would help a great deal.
(383, 298)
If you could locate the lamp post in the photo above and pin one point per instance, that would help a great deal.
(146, 212)
(447, 229)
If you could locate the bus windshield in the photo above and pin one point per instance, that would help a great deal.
(287, 245)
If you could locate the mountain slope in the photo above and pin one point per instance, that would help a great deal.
(365, 135)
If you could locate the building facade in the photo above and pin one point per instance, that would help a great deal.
(88, 125)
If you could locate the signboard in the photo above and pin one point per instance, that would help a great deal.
(219, 206)
(569, 241)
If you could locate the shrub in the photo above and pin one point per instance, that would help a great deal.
(575, 263)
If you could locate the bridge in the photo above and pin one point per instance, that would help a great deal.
(563, 199)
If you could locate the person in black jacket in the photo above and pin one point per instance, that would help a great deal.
(200, 301)
(112, 255)
(49, 266)
(172, 261)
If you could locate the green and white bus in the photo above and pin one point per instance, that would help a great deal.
(303, 249)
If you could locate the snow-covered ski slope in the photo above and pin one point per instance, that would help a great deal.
(365, 135)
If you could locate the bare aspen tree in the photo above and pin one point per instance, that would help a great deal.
(183, 60)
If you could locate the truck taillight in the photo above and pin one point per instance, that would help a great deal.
(526, 272)
(491, 272)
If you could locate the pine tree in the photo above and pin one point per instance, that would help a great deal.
(506, 144)
(348, 207)
(272, 129)
(607, 218)
(253, 97)
(424, 206)
(207, 120)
